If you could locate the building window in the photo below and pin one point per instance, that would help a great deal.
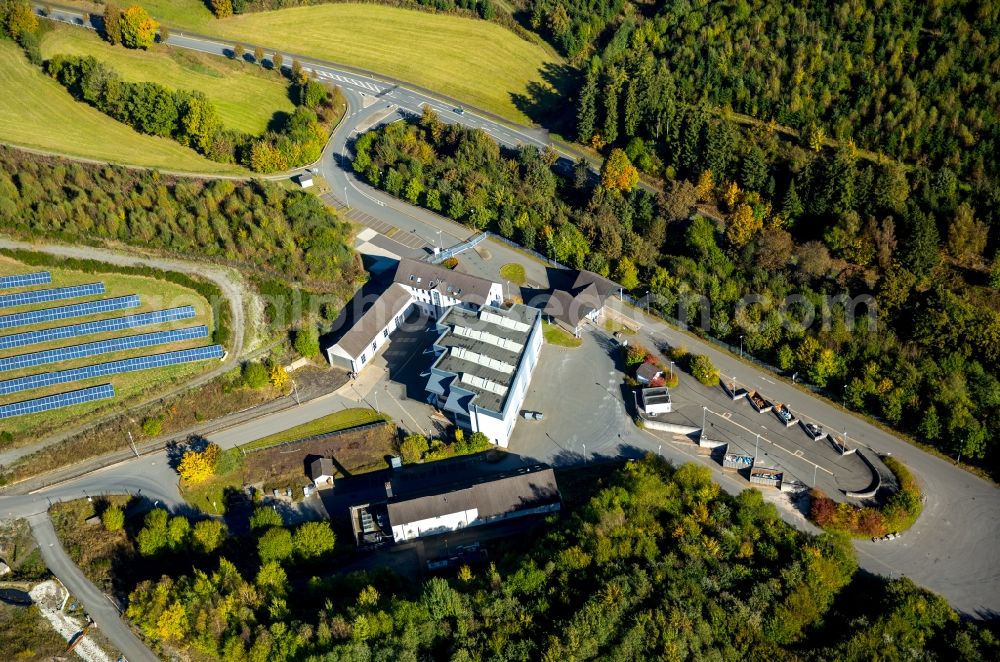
(363, 359)
(374, 347)
(385, 332)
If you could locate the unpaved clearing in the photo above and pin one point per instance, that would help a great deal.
(49, 597)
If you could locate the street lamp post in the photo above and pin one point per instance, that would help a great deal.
(295, 390)
(376, 401)
(756, 445)
(671, 371)
(647, 302)
(741, 347)
(346, 200)
(704, 410)
(815, 469)
(439, 241)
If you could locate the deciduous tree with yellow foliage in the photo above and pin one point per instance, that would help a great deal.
(618, 173)
(198, 466)
(138, 29)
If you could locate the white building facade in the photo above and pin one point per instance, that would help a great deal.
(484, 367)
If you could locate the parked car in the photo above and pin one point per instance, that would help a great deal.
(813, 430)
(533, 415)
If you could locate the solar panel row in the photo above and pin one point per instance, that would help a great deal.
(57, 401)
(97, 326)
(23, 280)
(66, 312)
(54, 294)
(101, 347)
(111, 368)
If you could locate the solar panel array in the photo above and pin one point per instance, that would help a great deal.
(57, 401)
(101, 347)
(97, 326)
(111, 368)
(54, 294)
(66, 312)
(24, 280)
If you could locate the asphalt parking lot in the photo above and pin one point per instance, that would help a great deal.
(589, 414)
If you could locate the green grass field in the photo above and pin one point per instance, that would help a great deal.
(154, 294)
(245, 95)
(37, 112)
(475, 61)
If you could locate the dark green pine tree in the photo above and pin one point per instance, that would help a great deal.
(586, 114)
(754, 173)
(611, 112)
(631, 114)
(921, 253)
(792, 207)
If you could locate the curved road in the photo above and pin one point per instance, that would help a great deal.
(952, 548)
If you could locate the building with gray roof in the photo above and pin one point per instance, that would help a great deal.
(530, 492)
(483, 367)
(581, 297)
(432, 288)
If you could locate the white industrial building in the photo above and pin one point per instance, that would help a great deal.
(533, 492)
(417, 284)
(484, 364)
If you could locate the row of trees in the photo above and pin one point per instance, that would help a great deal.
(654, 563)
(191, 118)
(795, 229)
(255, 225)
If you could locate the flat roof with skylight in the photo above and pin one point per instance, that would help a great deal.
(484, 350)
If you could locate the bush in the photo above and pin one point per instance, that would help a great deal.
(703, 370)
(153, 427)
(307, 342)
(413, 448)
(635, 355)
(255, 375)
(113, 518)
(671, 379)
(450, 263)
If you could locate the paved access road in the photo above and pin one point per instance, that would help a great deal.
(98, 605)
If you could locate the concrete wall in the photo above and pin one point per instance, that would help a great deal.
(459, 520)
(434, 525)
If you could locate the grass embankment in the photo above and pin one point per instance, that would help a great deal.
(556, 335)
(154, 294)
(239, 466)
(245, 95)
(898, 513)
(341, 420)
(513, 272)
(476, 61)
(37, 112)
